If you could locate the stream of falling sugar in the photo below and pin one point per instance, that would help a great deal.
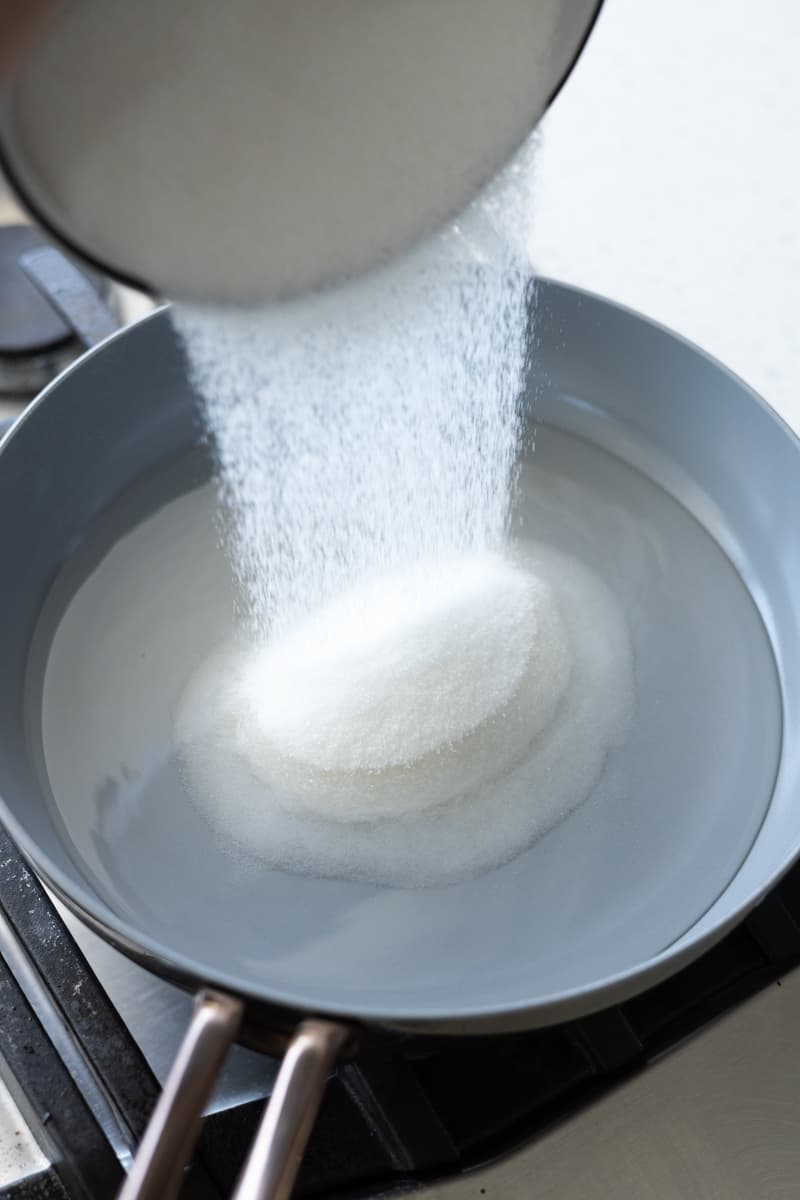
(375, 425)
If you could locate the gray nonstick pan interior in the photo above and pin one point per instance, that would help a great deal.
(652, 463)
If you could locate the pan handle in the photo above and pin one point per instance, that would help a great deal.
(174, 1127)
(274, 1159)
(275, 1155)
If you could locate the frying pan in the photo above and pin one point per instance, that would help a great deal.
(318, 968)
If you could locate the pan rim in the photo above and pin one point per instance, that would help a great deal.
(476, 1017)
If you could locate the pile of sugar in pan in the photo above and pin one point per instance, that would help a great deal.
(417, 729)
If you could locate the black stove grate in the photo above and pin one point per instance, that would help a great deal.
(407, 1110)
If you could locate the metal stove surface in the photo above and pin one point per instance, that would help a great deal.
(157, 1015)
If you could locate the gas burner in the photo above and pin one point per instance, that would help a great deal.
(36, 342)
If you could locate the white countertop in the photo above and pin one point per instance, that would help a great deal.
(20, 1156)
(669, 178)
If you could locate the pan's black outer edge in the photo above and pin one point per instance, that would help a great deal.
(49, 1100)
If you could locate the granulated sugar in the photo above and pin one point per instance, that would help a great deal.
(374, 426)
(384, 677)
(439, 748)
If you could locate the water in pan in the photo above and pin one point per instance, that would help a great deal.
(671, 820)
